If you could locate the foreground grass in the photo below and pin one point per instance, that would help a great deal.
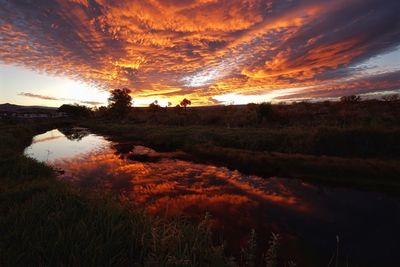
(47, 223)
(345, 158)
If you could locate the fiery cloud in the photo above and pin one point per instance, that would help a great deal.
(203, 49)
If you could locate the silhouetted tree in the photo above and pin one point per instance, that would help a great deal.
(101, 111)
(75, 111)
(185, 102)
(120, 102)
(153, 107)
(178, 108)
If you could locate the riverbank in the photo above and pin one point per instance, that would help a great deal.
(45, 222)
(35, 202)
(257, 151)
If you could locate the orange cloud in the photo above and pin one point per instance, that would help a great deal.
(198, 48)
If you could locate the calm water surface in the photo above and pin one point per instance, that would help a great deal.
(307, 216)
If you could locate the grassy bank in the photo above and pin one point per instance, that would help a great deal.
(362, 157)
(347, 142)
(366, 173)
(47, 223)
(343, 114)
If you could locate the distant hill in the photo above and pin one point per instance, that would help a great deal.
(11, 108)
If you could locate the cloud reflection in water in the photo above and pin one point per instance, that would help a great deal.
(238, 203)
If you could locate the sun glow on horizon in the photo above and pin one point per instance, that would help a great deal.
(27, 87)
(241, 99)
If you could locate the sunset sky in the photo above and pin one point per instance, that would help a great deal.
(209, 51)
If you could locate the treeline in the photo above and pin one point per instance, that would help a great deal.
(350, 111)
(369, 113)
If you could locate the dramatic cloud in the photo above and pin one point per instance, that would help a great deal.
(206, 49)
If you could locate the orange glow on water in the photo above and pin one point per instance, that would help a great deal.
(165, 186)
(177, 185)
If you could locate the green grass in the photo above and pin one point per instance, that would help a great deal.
(348, 142)
(45, 222)
(367, 113)
(48, 224)
(367, 173)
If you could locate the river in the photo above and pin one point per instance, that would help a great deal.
(310, 218)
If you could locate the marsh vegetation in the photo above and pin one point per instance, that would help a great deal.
(47, 221)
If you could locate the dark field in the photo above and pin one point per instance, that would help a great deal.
(337, 142)
(46, 222)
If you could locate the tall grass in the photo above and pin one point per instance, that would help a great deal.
(45, 222)
(371, 113)
(50, 225)
(271, 258)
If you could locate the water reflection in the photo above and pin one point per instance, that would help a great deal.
(166, 186)
(54, 145)
(74, 134)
